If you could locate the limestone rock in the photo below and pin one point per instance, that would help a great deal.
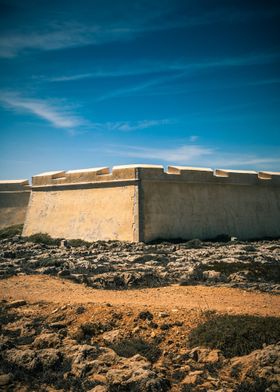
(5, 379)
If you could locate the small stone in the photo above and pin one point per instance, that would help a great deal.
(152, 324)
(46, 340)
(64, 272)
(165, 326)
(57, 325)
(178, 324)
(80, 310)
(98, 378)
(111, 336)
(5, 379)
(145, 315)
(63, 244)
(212, 356)
(163, 314)
(196, 373)
(274, 387)
(190, 379)
(99, 388)
(212, 275)
(16, 304)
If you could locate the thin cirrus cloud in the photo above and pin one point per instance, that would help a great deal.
(200, 156)
(175, 70)
(128, 126)
(61, 116)
(114, 73)
(181, 154)
(186, 69)
(62, 35)
(75, 35)
(58, 117)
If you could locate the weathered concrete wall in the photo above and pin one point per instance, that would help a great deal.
(91, 204)
(14, 198)
(143, 203)
(200, 203)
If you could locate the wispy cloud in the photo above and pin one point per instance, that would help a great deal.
(132, 22)
(65, 36)
(182, 154)
(128, 126)
(231, 160)
(11, 44)
(67, 78)
(57, 114)
(170, 71)
(60, 115)
(198, 155)
(186, 69)
(152, 68)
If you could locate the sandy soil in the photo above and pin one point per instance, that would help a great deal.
(44, 288)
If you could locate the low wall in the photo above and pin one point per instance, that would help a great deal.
(14, 198)
(202, 203)
(91, 204)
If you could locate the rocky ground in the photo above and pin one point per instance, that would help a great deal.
(108, 348)
(120, 265)
(50, 342)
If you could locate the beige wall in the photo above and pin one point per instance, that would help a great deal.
(14, 198)
(205, 210)
(101, 213)
(144, 202)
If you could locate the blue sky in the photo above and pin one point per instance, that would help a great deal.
(105, 82)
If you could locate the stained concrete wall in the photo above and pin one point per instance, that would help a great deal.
(202, 203)
(91, 204)
(14, 198)
(143, 203)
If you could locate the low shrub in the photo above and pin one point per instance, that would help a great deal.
(50, 262)
(235, 335)
(75, 243)
(10, 232)
(129, 347)
(43, 238)
(256, 385)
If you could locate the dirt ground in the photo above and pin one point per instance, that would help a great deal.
(38, 288)
(119, 317)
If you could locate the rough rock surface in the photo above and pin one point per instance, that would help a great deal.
(105, 347)
(139, 356)
(120, 265)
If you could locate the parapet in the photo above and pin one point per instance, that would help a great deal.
(14, 198)
(145, 172)
(268, 175)
(14, 186)
(95, 175)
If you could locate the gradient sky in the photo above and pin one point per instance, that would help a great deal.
(106, 82)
